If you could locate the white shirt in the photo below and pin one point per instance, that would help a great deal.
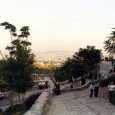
(91, 87)
(111, 87)
(72, 79)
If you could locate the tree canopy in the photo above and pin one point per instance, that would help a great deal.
(109, 44)
(82, 62)
(18, 65)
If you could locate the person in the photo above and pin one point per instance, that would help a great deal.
(56, 89)
(96, 90)
(46, 84)
(99, 75)
(82, 80)
(58, 92)
(102, 75)
(71, 85)
(111, 88)
(73, 79)
(91, 90)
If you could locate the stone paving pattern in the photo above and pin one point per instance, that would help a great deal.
(79, 103)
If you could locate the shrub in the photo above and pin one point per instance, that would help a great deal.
(104, 83)
(113, 98)
(16, 109)
(4, 87)
(112, 78)
(30, 100)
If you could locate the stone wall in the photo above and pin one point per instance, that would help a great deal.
(38, 108)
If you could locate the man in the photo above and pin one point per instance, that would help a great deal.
(91, 90)
(96, 90)
(111, 88)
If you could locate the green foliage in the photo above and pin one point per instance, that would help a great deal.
(4, 87)
(110, 43)
(2, 62)
(31, 100)
(17, 68)
(104, 83)
(60, 75)
(41, 70)
(82, 62)
(17, 110)
(90, 56)
(111, 78)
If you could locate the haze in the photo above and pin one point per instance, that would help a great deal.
(59, 24)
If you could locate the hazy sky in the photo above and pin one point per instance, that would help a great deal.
(59, 24)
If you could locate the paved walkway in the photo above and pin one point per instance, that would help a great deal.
(79, 103)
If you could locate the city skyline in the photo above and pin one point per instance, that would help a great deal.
(59, 25)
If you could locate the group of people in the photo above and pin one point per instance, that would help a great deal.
(94, 89)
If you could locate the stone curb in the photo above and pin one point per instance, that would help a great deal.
(38, 107)
(78, 88)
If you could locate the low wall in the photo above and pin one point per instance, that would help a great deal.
(38, 108)
(68, 89)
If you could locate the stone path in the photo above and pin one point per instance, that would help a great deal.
(79, 103)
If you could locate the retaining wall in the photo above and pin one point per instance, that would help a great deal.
(38, 108)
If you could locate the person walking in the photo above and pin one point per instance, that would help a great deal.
(73, 79)
(82, 80)
(58, 89)
(111, 88)
(96, 90)
(91, 90)
(71, 86)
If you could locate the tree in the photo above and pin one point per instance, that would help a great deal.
(82, 62)
(11, 28)
(90, 56)
(110, 43)
(18, 66)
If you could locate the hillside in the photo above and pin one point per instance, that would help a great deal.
(56, 56)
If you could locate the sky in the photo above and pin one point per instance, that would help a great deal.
(59, 24)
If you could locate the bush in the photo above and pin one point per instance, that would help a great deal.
(112, 78)
(113, 98)
(30, 100)
(16, 109)
(4, 87)
(104, 83)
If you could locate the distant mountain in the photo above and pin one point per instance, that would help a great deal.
(58, 56)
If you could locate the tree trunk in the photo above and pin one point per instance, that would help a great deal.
(19, 98)
(23, 100)
(11, 101)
